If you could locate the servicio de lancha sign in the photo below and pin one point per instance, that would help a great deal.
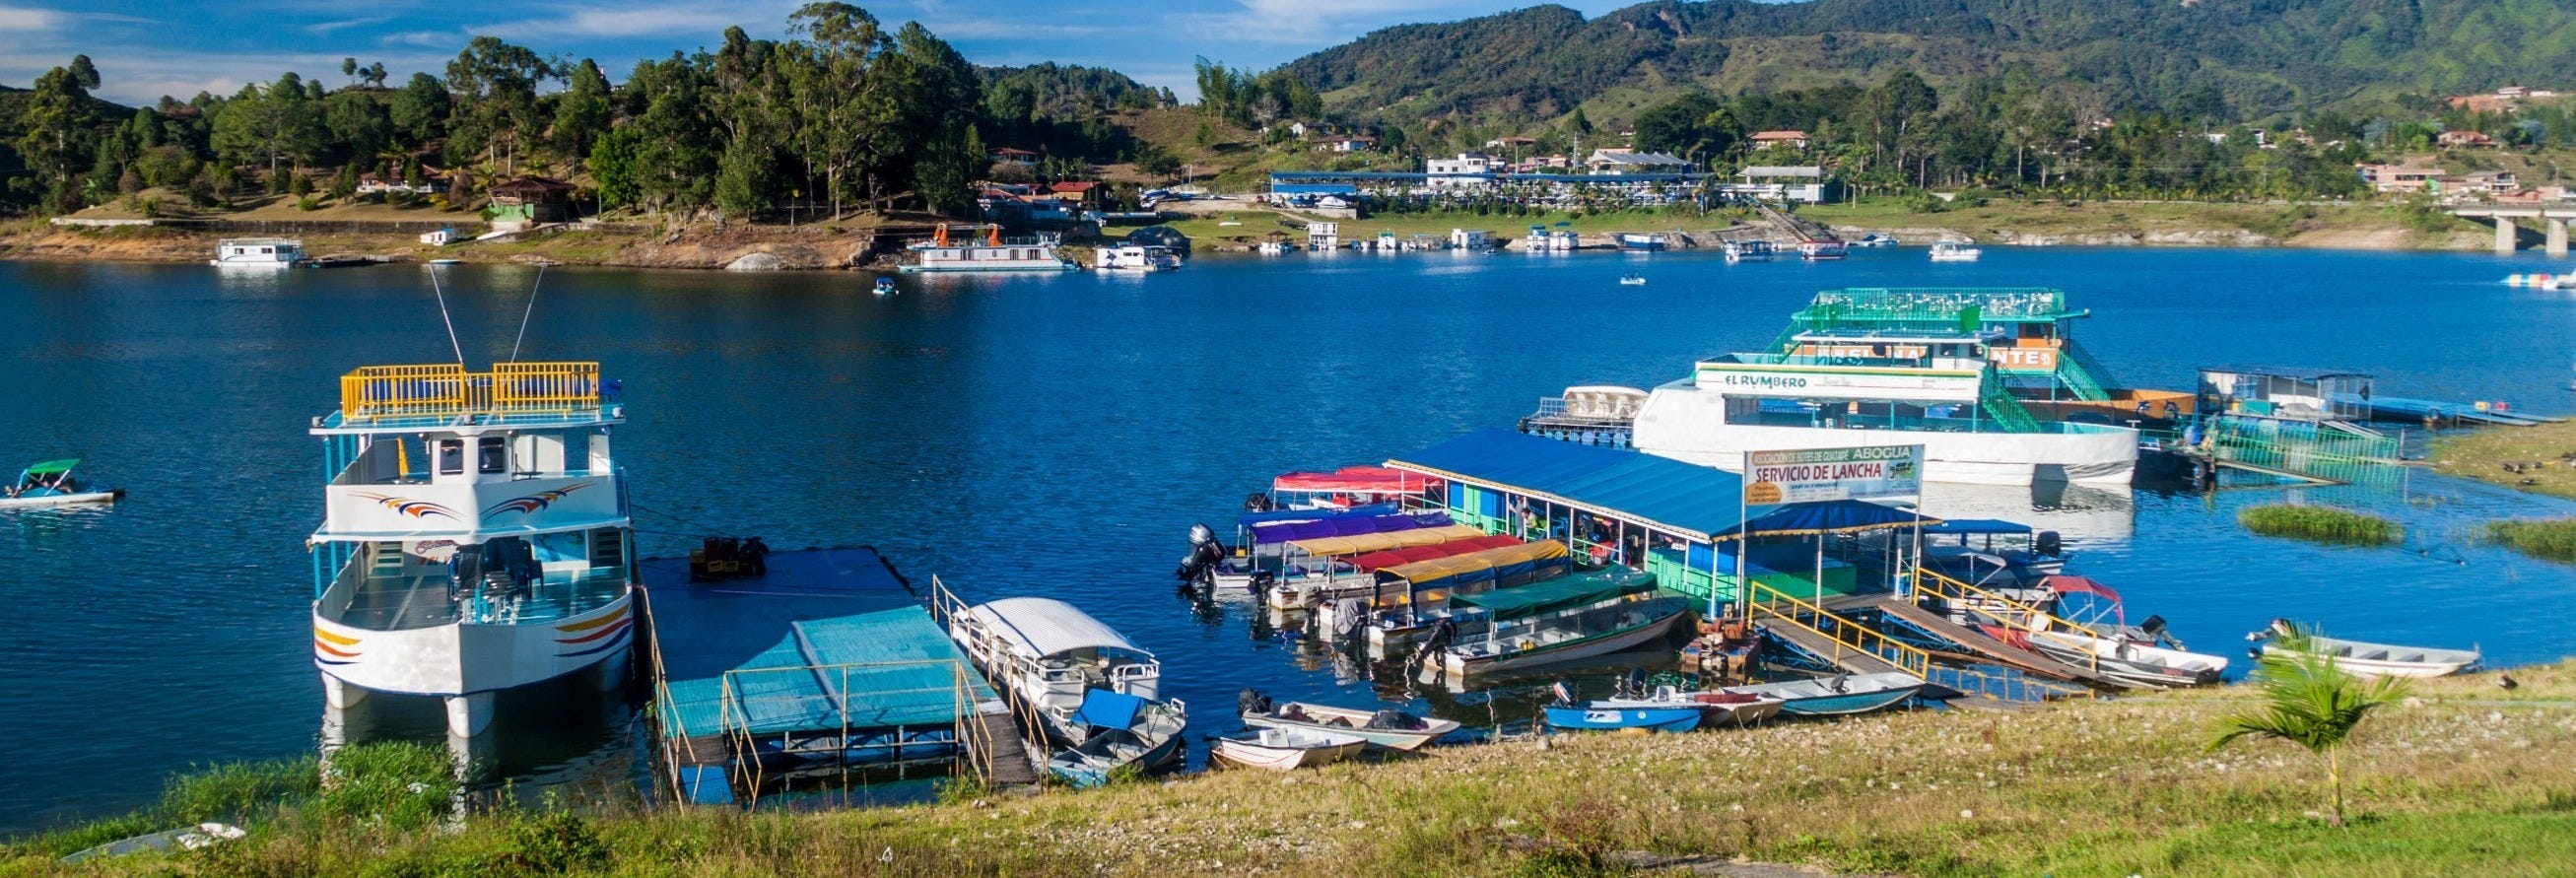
(1819, 474)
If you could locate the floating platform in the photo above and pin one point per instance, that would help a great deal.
(2395, 408)
(829, 658)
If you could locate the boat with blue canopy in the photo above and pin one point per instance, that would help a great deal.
(1117, 731)
(51, 483)
(1559, 620)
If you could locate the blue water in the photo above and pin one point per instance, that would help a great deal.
(1057, 435)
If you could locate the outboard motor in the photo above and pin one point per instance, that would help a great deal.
(2046, 544)
(1259, 502)
(2154, 628)
(1633, 684)
(1251, 701)
(1199, 566)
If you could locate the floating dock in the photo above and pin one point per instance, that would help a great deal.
(827, 661)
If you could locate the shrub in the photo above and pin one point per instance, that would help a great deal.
(2319, 524)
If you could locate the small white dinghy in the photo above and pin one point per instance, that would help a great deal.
(187, 838)
(1287, 749)
(1391, 729)
(2363, 658)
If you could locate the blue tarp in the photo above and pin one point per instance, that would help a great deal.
(1344, 526)
(1695, 501)
(1102, 708)
(1249, 519)
(1969, 526)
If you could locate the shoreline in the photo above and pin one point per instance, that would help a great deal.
(2364, 227)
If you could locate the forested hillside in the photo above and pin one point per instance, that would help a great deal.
(2229, 60)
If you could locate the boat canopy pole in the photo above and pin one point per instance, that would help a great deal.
(523, 316)
(450, 321)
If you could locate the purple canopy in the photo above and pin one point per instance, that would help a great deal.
(1344, 526)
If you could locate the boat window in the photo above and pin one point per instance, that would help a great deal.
(492, 455)
(451, 457)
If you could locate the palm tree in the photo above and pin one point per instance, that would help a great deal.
(2311, 702)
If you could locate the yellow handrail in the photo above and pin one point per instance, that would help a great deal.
(2015, 614)
(447, 390)
(1847, 633)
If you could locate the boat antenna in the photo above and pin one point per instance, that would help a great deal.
(531, 312)
(444, 317)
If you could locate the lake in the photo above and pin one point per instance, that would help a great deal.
(1058, 435)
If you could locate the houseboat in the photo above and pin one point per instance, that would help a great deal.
(1754, 250)
(259, 253)
(993, 253)
(1955, 251)
(1138, 257)
(475, 536)
(1822, 248)
(1932, 387)
(1565, 239)
(1537, 239)
(1641, 241)
(1875, 239)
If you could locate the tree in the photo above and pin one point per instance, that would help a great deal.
(344, 185)
(349, 68)
(420, 108)
(1577, 123)
(1152, 161)
(357, 123)
(275, 124)
(847, 118)
(932, 85)
(616, 167)
(495, 88)
(61, 123)
(581, 112)
(2311, 702)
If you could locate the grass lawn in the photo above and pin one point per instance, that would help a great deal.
(2482, 453)
(2464, 778)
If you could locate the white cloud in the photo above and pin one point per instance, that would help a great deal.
(327, 28)
(698, 21)
(21, 20)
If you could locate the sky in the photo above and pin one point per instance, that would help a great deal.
(180, 47)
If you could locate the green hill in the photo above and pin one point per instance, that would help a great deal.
(2220, 59)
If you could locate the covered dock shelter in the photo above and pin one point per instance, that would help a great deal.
(1678, 521)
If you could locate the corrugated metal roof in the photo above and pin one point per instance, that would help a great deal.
(1694, 501)
(1045, 626)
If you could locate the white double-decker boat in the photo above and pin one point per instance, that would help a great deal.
(475, 537)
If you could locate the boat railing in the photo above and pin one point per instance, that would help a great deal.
(744, 696)
(1769, 604)
(447, 390)
(2018, 617)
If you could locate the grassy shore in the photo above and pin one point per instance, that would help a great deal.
(2323, 524)
(2464, 778)
(2483, 454)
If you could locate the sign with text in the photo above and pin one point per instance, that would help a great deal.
(1820, 474)
(2024, 361)
(1831, 382)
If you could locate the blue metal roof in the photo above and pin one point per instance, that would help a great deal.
(1694, 501)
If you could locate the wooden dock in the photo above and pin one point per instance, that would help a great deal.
(1979, 644)
(995, 751)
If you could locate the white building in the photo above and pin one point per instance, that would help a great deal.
(1801, 183)
(1629, 161)
(1469, 169)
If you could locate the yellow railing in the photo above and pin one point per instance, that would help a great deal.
(447, 390)
(2010, 613)
(1847, 634)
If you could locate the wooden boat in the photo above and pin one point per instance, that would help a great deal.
(1392, 730)
(1614, 714)
(1286, 749)
(1838, 695)
(1120, 732)
(2127, 661)
(50, 483)
(2364, 658)
(187, 838)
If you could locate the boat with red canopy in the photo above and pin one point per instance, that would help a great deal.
(1347, 487)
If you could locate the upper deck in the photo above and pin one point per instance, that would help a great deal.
(379, 399)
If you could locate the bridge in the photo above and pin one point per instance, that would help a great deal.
(2553, 217)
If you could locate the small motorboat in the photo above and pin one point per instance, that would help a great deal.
(50, 483)
(445, 262)
(1390, 729)
(1875, 239)
(1840, 695)
(1616, 714)
(885, 286)
(1955, 251)
(1632, 280)
(2361, 658)
(1822, 248)
(2126, 660)
(1124, 732)
(1287, 749)
(186, 838)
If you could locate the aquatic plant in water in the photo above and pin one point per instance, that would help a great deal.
(2320, 524)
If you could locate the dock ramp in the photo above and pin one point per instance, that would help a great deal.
(1978, 643)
